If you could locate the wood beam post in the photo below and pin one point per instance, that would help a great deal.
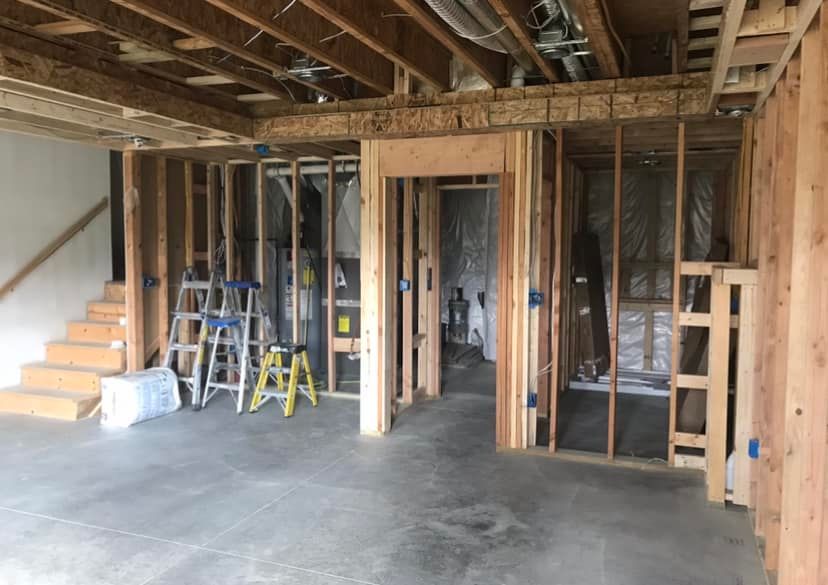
(423, 239)
(212, 195)
(804, 546)
(616, 292)
(716, 419)
(134, 262)
(261, 244)
(185, 360)
(163, 261)
(375, 295)
(229, 222)
(331, 275)
(557, 285)
(296, 251)
(433, 385)
(408, 296)
(678, 252)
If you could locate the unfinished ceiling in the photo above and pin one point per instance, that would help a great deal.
(194, 74)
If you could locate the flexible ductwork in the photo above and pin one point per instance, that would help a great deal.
(476, 21)
(561, 23)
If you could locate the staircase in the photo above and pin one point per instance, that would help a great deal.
(67, 385)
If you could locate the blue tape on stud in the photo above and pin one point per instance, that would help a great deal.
(753, 448)
(532, 400)
(405, 285)
(535, 298)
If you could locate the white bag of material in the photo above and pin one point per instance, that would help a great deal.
(131, 398)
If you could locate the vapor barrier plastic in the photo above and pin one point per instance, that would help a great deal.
(647, 231)
(468, 259)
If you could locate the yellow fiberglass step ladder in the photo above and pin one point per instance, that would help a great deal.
(205, 295)
(231, 330)
(273, 368)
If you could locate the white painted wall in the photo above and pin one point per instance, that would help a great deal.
(45, 186)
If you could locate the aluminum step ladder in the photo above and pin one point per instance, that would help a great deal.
(205, 294)
(233, 330)
(272, 367)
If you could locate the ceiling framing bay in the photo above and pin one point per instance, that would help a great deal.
(305, 30)
(37, 64)
(201, 20)
(402, 42)
(123, 24)
(489, 65)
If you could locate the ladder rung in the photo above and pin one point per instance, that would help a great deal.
(187, 316)
(197, 284)
(223, 386)
(229, 341)
(184, 347)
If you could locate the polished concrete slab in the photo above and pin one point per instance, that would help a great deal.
(212, 497)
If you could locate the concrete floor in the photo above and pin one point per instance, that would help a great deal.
(214, 498)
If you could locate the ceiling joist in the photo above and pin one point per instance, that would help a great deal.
(512, 13)
(201, 20)
(126, 25)
(308, 32)
(407, 45)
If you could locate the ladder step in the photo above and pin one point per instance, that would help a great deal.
(186, 316)
(223, 386)
(191, 347)
(197, 284)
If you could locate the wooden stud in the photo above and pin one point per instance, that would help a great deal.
(557, 286)
(163, 261)
(744, 467)
(716, 421)
(186, 327)
(297, 272)
(331, 275)
(678, 252)
(434, 347)
(393, 277)
(261, 244)
(408, 296)
(423, 239)
(212, 194)
(803, 558)
(134, 264)
(229, 222)
(615, 294)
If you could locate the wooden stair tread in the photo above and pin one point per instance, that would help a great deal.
(47, 402)
(50, 393)
(89, 344)
(73, 368)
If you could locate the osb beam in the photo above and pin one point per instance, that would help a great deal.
(31, 61)
(126, 25)
(310, 33)
(597, 28)
(513, 12)
(400, 41)
(201, 20)
(654, 98)
(488, 64)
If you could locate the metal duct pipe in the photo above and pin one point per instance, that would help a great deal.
(559, 16)
(477, 22)
(491, 21)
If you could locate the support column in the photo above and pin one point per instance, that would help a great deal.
(296, 251)
(375, 342)
(408, 296)
(133, 261)
(331, 275)
(557, 286)
(163, 262)
(614, 297)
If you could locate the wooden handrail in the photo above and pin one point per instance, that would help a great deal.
(53, 247)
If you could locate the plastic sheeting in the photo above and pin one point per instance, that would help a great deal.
(648, 198)
(468, 259)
